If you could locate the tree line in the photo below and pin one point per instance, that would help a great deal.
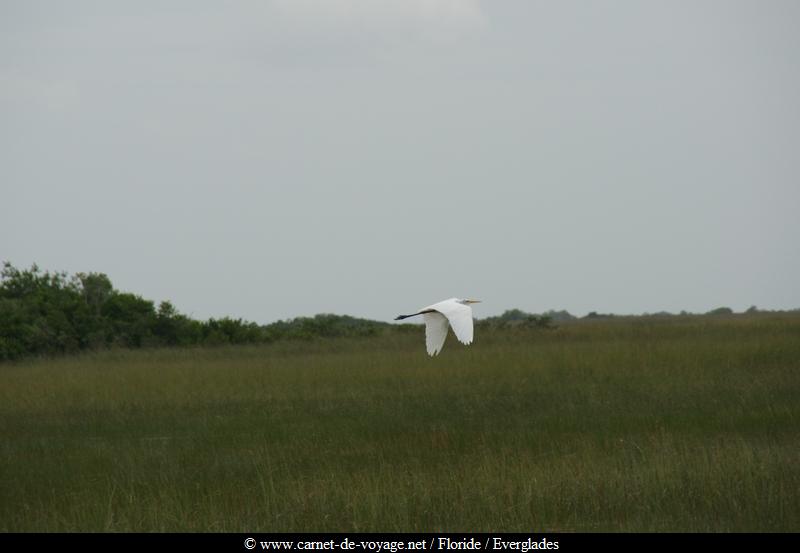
(48, 313)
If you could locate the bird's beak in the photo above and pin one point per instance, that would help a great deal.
(473, 301)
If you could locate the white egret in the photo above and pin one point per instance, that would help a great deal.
(454, 311)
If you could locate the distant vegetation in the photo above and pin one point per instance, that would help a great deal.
(44, 313)
(50, 313)
(517, 318)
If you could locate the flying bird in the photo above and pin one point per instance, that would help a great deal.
(455, 312)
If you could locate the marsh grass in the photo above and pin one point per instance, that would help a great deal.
(673, 425)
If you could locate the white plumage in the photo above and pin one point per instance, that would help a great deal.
(455, 313)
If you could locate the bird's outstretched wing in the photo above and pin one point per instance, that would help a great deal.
(435, 331)
(460, 317)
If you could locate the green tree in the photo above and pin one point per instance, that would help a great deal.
(132, 319)
(721, 311)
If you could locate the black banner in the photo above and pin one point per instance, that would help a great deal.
(396, 543)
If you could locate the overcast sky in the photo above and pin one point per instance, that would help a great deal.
(273, 159)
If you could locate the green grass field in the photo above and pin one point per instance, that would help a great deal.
(641, 425)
